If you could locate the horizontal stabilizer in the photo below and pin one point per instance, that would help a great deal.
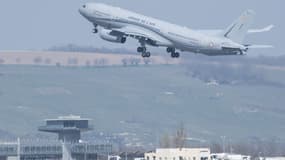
(259, 46)
(266, 29)
(216, 32)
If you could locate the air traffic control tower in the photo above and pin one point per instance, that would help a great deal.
(68, 128)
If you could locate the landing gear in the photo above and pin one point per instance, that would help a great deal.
(141, 49)
(144, 52)
(169, 49)
(241, 52)
(123, 40)
(95, 30)
(174, 54)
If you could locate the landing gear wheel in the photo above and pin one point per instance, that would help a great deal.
(141, 49)
(175, 54)
(95, 30)
(146, 54)
(168, 49)
(123, 40)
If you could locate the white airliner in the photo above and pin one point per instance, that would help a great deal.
(115, 25)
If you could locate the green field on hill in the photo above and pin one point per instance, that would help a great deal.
(146, 100)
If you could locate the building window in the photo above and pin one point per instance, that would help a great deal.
(194, 158)
(160, 158)
(154, 157)
(147, 158)
(180, 158)
(69, 124)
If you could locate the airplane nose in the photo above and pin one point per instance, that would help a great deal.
(82, 10)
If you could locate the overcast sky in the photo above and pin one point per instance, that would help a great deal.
(40, 24)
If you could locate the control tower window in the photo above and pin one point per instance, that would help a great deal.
(69, 124)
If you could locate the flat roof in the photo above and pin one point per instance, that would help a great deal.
(66, 118)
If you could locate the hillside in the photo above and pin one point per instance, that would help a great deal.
(144, 102)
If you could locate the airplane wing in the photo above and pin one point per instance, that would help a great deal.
(149, 36)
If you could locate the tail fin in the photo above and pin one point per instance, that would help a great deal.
(237, 30)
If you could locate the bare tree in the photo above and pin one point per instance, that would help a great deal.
(88, 63)
(147, 61)
(38, 60)
(103, 62)
(72, 61)
(2, 61)
(165, 141)
(125, 62)
(58, 64)
(18, 60)
(47, 61)
(271, 148)
(216, 147)
(177, 140)
(180, 136)
(134, 61)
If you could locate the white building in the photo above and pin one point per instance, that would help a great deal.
(226, 156)
(114, 157)
(275, 158)
(179, 154)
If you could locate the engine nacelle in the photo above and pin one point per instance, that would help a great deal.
(105, 34)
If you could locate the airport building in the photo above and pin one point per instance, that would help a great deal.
(67, 147)
(179, 154)
(68, 128)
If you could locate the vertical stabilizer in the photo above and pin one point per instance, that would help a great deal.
(238, 30)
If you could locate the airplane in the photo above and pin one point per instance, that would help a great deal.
(116, 25)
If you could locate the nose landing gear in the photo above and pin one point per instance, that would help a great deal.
(95, 30)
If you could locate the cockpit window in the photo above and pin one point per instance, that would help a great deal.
(84, 6)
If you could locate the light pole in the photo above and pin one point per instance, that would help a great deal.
(223, 142)
(18, 149)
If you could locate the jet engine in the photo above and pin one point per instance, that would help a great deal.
(106, 35)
